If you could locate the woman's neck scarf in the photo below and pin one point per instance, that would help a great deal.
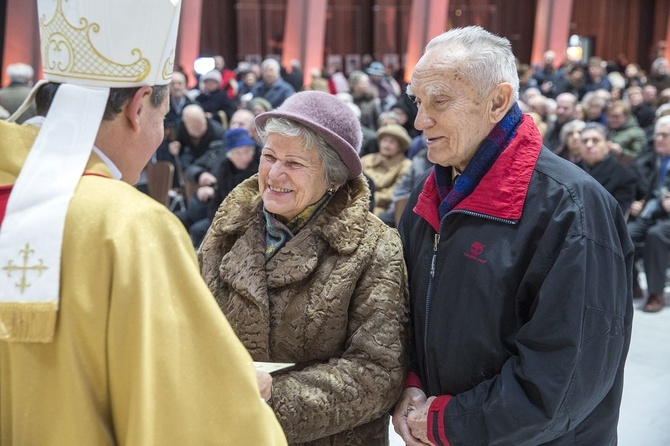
(451, 194)
(277, 234)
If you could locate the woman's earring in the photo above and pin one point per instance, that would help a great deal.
(331, 190)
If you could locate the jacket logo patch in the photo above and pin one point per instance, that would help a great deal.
(476, 249)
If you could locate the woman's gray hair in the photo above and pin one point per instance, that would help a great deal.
(569, 127)
(486, 59)
(335, 169)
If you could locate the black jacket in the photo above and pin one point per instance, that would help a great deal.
(521, 303)
(617, 179)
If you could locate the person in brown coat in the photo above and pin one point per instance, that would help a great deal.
(387, 167)
(306, 275)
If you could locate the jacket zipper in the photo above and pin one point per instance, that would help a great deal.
(488, 217)
(429, 297)
(431, 289)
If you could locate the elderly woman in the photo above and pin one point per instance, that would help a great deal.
(387, 167)
(571, 143)
(306, 275)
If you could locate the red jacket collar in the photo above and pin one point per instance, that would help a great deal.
(502, 191)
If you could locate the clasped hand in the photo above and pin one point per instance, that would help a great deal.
(410, 418)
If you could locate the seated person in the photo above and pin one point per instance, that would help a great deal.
(598, 161)
(387, 167)
(235, 161)
(570, 147)
(195, 133)
(213, 99)
(627, 139)
(372, 145)
(403, 189)
(649, 226)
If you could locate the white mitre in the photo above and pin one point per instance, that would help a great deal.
(89, 46)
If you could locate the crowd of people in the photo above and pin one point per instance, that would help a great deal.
(499, 310)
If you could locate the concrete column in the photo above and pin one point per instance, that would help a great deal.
(22, 37)
(188, 38)
(428, 19)
(552, 29)
(305, 34)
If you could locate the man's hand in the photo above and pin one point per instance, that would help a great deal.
(615, 147)
(417, 420)
(206, 179)
(174, 148)
(204, 193)
(636, 208)
(411, 399)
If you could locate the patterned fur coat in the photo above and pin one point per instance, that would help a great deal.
(333, 300)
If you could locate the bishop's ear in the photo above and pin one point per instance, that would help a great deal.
(137, 105)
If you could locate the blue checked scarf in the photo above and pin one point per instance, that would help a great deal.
(479, 165)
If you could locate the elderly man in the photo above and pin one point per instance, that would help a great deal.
(519, 264)
(566, 111)
(272, 87)
(218, 171)
(108, 334)
(178, 100)
(12, 96)
(598, 161)
(547, 76)
(194, 135)
(650, 222)
(214, 100)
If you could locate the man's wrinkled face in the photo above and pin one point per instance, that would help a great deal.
(451, 111)
(594, 146)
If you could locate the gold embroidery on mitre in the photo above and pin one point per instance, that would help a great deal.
(11, 268)
(168, 67)
(69, 52)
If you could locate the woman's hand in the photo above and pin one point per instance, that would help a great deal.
(264, 384)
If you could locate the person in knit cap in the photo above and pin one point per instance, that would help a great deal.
(307, 275)
(387, 167)
(236, 162)
(108, 334)
(520, 268)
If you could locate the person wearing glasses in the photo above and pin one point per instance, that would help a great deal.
(650, 226)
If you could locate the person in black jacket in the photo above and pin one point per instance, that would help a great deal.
(650, 223)
(597, 160)
(519, 266)
(232, 162)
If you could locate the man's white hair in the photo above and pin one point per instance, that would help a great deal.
(271, 63)
(20, 72)
(486, 59)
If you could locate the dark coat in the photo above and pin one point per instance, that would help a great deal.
(217, 101)
(193, 149)
(333, 300)
(521, 303)
(276, 93)
(619, 180)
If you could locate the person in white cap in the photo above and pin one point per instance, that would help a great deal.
(108, 334)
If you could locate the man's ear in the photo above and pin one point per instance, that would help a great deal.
(502, 97)
(136, 106)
